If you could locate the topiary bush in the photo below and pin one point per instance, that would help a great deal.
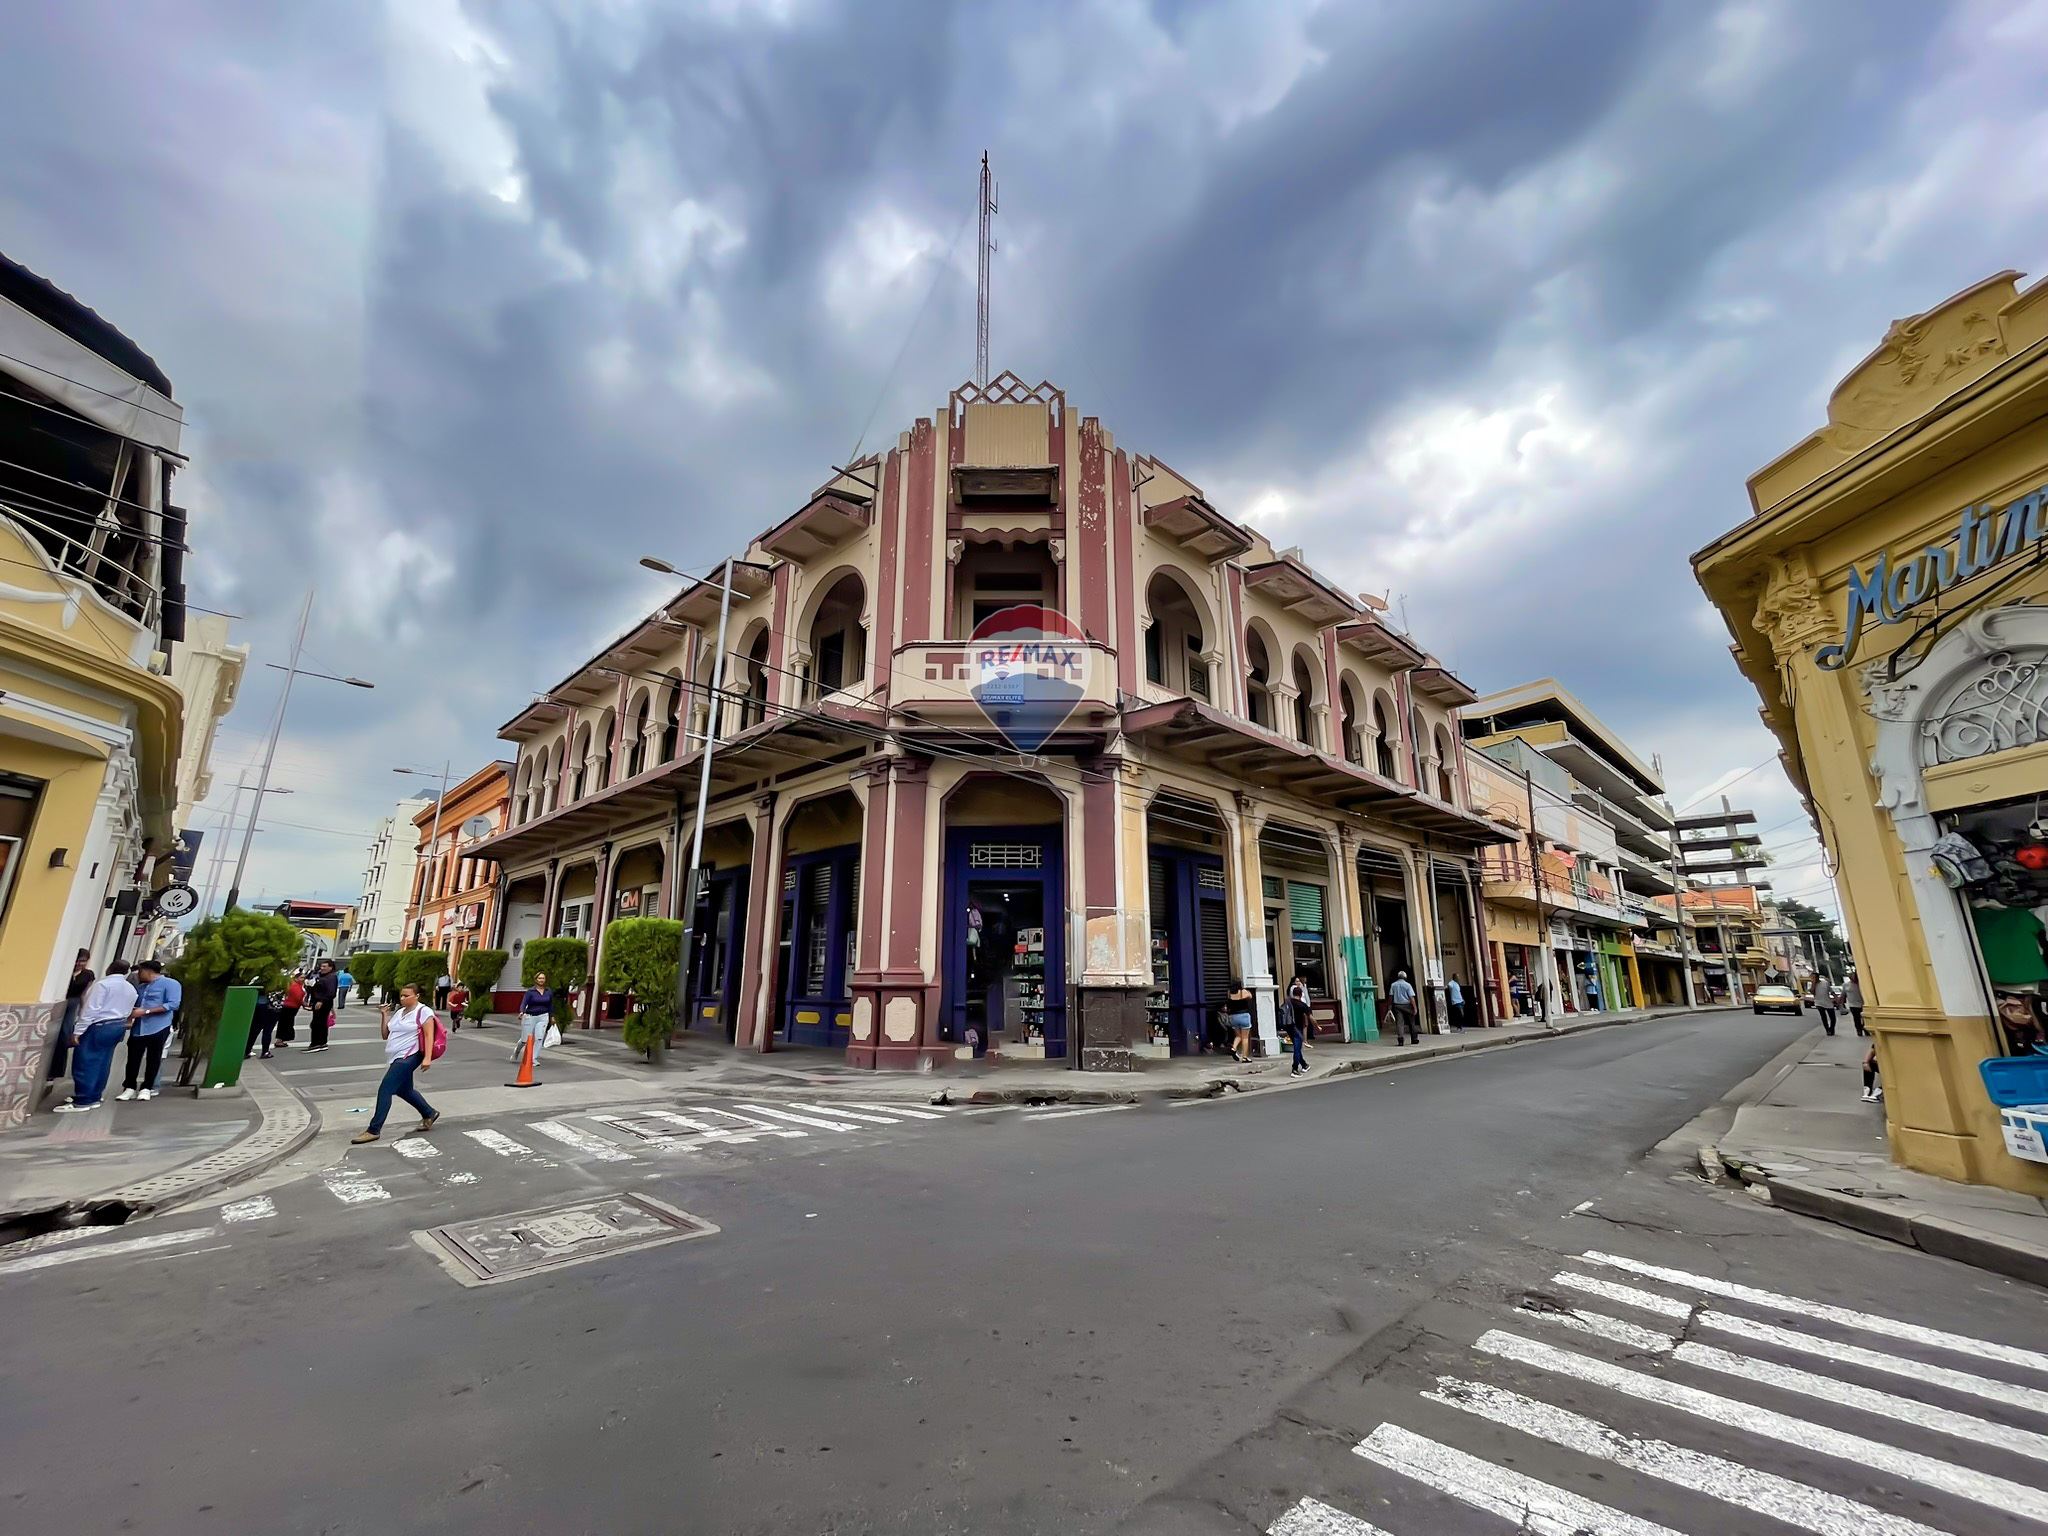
(363, 967)
(641, 955)
(419, 968)
(238, 948)
(567, 964)
(478, 970)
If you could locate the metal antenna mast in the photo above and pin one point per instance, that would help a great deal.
(988, 245)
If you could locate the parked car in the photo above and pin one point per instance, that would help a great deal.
(1774, 998)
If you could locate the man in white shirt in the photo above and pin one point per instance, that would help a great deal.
(1401, 998)
(102, 1020)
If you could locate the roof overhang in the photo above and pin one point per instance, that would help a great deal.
(1301, 592)
(1441, 686)
(784, 743)
(1201, 734)
(1376, 643)
(824, 522)
(1198, 528)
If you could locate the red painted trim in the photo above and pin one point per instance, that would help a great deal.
(876, 822)
(764, 894)
(1089, 551)
(1333, 719)
(907, 883)
(918, 535)
(778, 644)
(888, 595)
(1404, 706)
(1235, 661)
(618, 762)
(1126, 637)
(1098, 847)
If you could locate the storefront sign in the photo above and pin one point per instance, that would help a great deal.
(1890, 590)
(1030, 671)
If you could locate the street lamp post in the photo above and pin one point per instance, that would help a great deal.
(291, 670)
(689, 885)
(433, 837)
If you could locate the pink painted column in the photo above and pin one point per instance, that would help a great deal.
(764, 904)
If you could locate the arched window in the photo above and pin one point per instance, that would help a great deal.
(1304, 701)
(1446, 772)
(607, 748)
(1354, 745)
(672, 725)
(754, 707)
(1258, 682)
(1385, 757)
(839, 646)
(555, 775)
(636, 735)
(523, 802)
(579, 754)
(1174, 638)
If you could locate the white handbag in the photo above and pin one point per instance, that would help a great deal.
(552, 1038)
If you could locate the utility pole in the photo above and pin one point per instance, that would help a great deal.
(1678, 912)
(220, 847)
(987, 202)
(688, 955)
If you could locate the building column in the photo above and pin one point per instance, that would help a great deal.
(1247, 883)
(1430, 994)
(764, 910)
(895, 1009)
(1361, 1014)
(600, 909)
(1635, 978)
(1112, 968)
(1497, 959)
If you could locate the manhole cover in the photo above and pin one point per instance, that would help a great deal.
(495, 1248)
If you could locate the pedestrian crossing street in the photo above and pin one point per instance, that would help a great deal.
(1630, 1398)
(608, 1142)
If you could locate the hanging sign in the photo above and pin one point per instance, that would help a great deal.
(1892, 588)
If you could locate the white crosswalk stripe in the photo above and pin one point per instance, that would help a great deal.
(796, 1119)
(582, 1141)
(1853, 1478)
(351, 1186)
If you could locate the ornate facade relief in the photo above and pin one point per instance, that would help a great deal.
(1790, 611)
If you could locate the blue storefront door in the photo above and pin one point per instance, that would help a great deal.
(818, 906)
(1005, 972)
(720, 940)
(1191, 942)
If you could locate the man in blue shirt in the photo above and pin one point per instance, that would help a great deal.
(342, 983)
(157, 1000)
(1401, 998)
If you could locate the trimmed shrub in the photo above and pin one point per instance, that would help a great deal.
(238, 948)
(640, 956)
(567, 963)
(478, 970)
(418, 968)
(363, 967)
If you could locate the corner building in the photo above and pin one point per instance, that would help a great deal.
(1888, 599)
(1259, 777)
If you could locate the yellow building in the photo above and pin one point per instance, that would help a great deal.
(1889, 600)
(90, 604)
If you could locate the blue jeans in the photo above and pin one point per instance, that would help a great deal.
(1295, 1032)
(397, 1084)
(92, 1060)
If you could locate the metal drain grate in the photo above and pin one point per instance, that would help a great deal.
(499, 1248)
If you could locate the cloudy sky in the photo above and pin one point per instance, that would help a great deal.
(1490, 307)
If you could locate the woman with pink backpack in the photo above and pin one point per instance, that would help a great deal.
(413, 1037)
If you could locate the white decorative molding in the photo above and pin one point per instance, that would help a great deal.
(1981, 688)
(899, 1020)
(68, 598)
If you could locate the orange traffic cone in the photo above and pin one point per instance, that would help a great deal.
(526, 1078)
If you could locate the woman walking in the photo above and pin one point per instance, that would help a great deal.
(408, 1048)
(1872, 1092)
(1239, 1005)
(536, 1010)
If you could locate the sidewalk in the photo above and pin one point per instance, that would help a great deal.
(1820, 1151)
(126, 1159)
(715, 1067)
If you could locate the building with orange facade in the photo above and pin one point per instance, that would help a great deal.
(454, 892)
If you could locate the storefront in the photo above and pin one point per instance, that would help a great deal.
(1006, 978)
(1190, 946)
(820, 898)
(1383, 889)
(1887, 600)
(1297, 909)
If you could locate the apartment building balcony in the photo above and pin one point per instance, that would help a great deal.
(1645, 875)
(1631, 829)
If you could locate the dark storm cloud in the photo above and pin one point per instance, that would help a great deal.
(1493, 306)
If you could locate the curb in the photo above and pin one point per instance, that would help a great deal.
(2013, 1258)
(165, 1192)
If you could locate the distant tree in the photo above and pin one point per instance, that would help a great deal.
(567, 965)
(238, 948)
(363, 966)
(1812, 919)
(419, 968)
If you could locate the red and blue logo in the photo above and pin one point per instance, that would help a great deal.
(1030, 672)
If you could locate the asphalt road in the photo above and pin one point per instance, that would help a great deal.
(1166, 1318)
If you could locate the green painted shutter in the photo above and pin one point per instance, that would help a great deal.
(1305, 907)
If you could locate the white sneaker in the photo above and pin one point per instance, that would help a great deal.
(147, 1093)
(76, 1109)
(1877, 1095)
(125, 1095)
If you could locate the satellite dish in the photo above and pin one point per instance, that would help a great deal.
(477, 826)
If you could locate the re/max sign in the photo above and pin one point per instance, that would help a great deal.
(1890, 590)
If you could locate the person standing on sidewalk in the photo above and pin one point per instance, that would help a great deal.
(157, 1001)
(1297, 1023)
(1852, 999)
(1872, 1093)
(82, 977)
(1401, 998)
(322, 998)
(1456, 995)
(342, 983)
(442, 987)
(103, 1020)
(1824, 1000)
(289, 1002)
(408, 1048)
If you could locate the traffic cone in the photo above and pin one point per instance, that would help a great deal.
(526, 1078)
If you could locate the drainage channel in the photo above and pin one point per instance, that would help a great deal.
(494, 1249)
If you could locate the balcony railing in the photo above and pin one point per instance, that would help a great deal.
(128, 591)
(959, 680)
